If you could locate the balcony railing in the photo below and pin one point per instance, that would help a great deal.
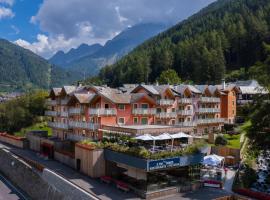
(166, 115)
(210, 121)
(102, 111)
(186, 124)
(51, 113)
(75, 111)
(63, 114)
(51, 102)
(77, 138)
(185, 112)
(144, 111)
(59, 125)
(185, 101)
(64, 101)
(84, 125)
(210, 100)
(209, 110)
(165, 102)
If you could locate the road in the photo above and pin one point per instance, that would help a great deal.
(8, 191)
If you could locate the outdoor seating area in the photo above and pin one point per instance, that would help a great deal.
(165, 142)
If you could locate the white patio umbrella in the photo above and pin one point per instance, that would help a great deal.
(213, 160)
(147, 137)
(179, 135)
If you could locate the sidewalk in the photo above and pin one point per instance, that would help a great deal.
(229, 180)
(94, 186)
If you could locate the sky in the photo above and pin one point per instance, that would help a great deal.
(47, 26)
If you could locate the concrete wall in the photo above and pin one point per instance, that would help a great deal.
(70, 190)
(23, 176)
(92, 161)
(34, 142)
(12, 140)
(64, 159)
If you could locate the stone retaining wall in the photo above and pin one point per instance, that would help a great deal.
(26, 178)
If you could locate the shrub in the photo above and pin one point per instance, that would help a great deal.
(221, 140)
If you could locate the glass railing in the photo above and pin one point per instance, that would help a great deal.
(63, 114)
(185, 101)
(102, 111)
(51, 102)
(64, 101)
(210, 100)
(185, 112)
(84, 125)
(186, 124)
(59, 125)
(51, 113)
(166, 115)
(165, 102)
(209, 110)
(210, 121)
(75, 111)
(77, 138)
(144, 111)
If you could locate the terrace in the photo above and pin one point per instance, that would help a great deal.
(166, 115)
(185, 101)
(83, 125)
(160, 164)
(209, 110)
(75, 111)
(210, 100)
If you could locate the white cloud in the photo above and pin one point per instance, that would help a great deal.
(8, 2)
(6, 13)
(70, 23)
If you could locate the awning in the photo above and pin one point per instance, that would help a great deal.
(213, 160)
(164, 136)
(146, 137)
(114, 132)
(181, 135)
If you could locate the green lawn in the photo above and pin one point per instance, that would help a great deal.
(36, 127)
(233, 141)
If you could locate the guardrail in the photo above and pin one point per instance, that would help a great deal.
(209, 110)
(165, 102)
(51, 113)
(166, 115)
(75, 111)
(185, 101)
(185, 112)
(102, 111)
(144, 111)
(58, 125)
(84, 125)
(210, 100)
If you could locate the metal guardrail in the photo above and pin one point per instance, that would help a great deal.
(209, 110)
(165, 102)
(210, 99)
(166, 115)
(144, 111)
(103, 111)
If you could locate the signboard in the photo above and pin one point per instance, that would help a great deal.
(164, 163)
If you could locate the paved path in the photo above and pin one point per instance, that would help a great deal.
(8, 191)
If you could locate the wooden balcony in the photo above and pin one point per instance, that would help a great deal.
(103, 111)
(144, 111)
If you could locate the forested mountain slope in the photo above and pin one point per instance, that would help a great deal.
(21, 69)
(224, 36)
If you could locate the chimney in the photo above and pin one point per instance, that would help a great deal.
(223, 84)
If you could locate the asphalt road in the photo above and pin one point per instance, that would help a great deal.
(8, 191)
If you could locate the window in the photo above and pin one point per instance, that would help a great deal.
(188, 107)
(232, 111)
(158, 110)
(173, 122)
(233, 103)
(135, 120)
(121, 106)
(106, 105)
(135, 106)
(97, 105)
(144, 121)
(144, 105)
(121, 120)
(173, 109)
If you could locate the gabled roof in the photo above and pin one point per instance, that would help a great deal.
(69, 89)
(182, 88)
(55, 91)
(135, 97)
(84, 98)
(114, 95)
